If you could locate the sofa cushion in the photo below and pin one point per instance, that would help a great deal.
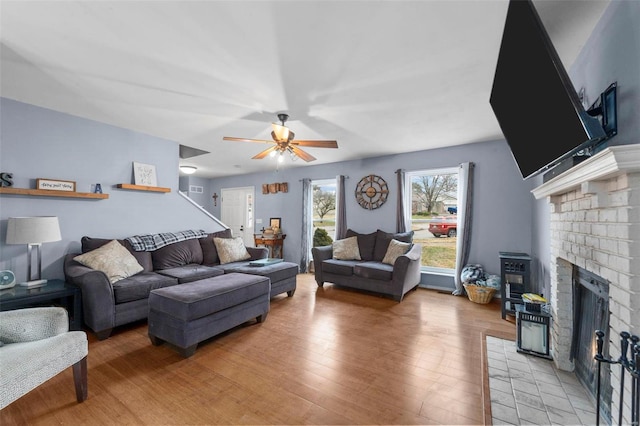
(89, 243)
(193, 272)
(231, 249)
(139, 286)
(396, 249)
(346, 249)
(366, 243)
(339, 267)
(209, 251)
(143, 257)
(374, 270)
(177, 254)
(384, 238)
(112, 259)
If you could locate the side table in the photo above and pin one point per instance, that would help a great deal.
(54, 292)
(275, 244)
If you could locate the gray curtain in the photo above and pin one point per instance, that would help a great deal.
(465, 201)
(401, 220)
(307, 225)
(341, 211)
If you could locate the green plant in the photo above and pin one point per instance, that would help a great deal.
(321, 238)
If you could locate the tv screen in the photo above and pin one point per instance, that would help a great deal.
(533, 98)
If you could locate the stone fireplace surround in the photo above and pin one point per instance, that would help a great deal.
(595, 224)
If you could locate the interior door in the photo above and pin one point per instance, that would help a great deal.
(236, 211)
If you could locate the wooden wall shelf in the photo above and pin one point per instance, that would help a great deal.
(49, 193)
(142, 188)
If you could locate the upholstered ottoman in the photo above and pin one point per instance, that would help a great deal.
(187, 314)
(282, 275)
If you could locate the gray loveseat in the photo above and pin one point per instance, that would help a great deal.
(370, 273)
(106, 305)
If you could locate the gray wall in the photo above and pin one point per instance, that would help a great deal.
(203, 199)
(611, 54)
(40, 143)
(503, 203)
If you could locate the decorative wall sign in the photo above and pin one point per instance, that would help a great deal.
(371, 192)
(56, 185)
(6, 179)
(144, 174)
(274, 188)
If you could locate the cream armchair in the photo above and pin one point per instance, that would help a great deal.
(36, 345)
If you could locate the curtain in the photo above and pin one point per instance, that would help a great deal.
(307, 225)
(401, 219)
(465, 201)
(341, 213)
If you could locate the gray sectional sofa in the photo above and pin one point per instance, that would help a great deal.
(107, 305)
(370, 273)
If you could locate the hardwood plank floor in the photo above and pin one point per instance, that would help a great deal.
(325, 356)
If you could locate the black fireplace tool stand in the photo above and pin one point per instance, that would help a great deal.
(628, 364)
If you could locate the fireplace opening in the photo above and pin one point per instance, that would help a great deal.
(591, 313)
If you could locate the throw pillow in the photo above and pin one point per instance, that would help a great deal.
(395, 250)
(209, 252)
(383, 239)
(112, 259)
(346, 249)
(231, 249)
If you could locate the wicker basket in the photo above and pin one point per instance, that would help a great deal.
(479, 294)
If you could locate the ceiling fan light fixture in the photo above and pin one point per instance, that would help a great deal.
(285, 141)
(188, 170)
(281, 132)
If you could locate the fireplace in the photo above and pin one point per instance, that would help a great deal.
(595, 225)
(591, 313)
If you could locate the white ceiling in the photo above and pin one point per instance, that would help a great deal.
(380, 77)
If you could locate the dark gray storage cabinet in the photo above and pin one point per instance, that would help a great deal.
(515, 276)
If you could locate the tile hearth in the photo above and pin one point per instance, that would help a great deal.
(527, 390)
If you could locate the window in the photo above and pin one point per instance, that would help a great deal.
(324, 206)
(433, 215)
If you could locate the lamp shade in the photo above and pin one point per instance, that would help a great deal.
(33, 230)
(281, 132)
(189, 170)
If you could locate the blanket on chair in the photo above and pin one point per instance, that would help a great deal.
(151, 242)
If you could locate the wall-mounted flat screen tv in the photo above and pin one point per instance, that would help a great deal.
(533, 98)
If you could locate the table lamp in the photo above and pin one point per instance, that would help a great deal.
(33, 231)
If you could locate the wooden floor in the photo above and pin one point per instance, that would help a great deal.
(325, 356)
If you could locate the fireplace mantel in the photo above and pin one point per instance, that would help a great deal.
(607, 163)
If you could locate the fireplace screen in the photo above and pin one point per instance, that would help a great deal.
(590, 313)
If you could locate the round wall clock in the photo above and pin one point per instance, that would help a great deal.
(371, 192)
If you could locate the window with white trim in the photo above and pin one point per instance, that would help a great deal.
(432, 203)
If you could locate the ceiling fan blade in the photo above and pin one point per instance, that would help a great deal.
(302, 154)
(316, 144)
(264, 153)
(229, 138)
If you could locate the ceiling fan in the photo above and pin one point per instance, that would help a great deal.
(284, 141)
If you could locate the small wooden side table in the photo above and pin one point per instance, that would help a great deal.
(54, 292)
(275, 244)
